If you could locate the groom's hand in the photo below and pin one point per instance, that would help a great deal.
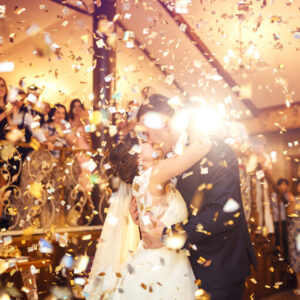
(151, 234)
(134, 212)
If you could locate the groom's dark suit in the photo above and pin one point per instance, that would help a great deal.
(218, 241)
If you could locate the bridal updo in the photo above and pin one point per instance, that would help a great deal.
(124, 163)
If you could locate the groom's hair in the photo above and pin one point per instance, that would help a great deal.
(156, 103)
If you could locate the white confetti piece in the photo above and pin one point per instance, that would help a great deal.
(7, 66)
(112, 220)
(298, 242)
(146, 220)
(231, 206)
(260, 174)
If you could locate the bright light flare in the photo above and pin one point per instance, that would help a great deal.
(153, 120)
(181, 120)
(208, 119)
(273, 156)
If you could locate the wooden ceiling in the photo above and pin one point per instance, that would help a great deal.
(190, 48)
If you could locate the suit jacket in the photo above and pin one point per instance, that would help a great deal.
(219, 243)
(26, 109)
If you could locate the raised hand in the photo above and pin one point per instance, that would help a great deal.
(134, 212)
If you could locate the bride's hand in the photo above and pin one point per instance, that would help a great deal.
(134, 212)
(152, 233)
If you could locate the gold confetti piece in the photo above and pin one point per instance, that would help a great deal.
(201, 187)
(7, 151)
(230, 223)
(216, 216)
(25, 289)
(200, 228)
(35, 189)
(253, 280)
(85, 38)
(223, 163)
(18, 10)
(207, 263)
(86, 237)
(144, 286)
(119, 275)
(4, 265)
(185, 175)
(29, 231)
(198, 282)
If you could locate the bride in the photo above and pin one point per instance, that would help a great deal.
(123, 268)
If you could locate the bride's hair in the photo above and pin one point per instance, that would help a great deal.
(125, 164)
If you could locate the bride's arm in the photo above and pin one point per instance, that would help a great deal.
(166, 169)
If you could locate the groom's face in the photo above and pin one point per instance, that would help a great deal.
(161, 138)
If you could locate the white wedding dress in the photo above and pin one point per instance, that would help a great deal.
(149, 274)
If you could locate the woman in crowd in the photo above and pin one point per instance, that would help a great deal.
(78, 118)
(3, 111)
(293, 212)
(55, 127)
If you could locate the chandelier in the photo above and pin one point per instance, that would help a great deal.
(245, 57)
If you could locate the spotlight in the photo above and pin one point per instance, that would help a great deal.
(153, 120)
(207, 119)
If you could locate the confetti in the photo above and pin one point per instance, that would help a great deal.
(81, 264)
(18, 10)
(181, 6)
(45, 246)
(2, 11)
(175, 241)
(231, 206)
(298, 242)
(7, 67)
(35, 189)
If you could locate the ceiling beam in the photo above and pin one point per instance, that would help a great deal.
(280, 118)
(152, 58)
(200, 45)
(76, 8)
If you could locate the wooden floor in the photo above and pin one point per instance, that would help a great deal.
(286, 295)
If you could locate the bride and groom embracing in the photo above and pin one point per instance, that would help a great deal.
(194, 235)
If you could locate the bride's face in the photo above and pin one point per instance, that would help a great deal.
(148, 153)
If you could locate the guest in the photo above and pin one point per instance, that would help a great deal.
(80, 138)
(293, 211)
(3, 111)
(55, 127)
(280, 198)
(78, 118)
(29, 119)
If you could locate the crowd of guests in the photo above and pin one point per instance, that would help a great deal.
(25, 120)
(286, 216)
(52, 126)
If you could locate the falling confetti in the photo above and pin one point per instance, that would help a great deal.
(231, 206)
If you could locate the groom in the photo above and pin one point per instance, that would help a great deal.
(217, 235)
